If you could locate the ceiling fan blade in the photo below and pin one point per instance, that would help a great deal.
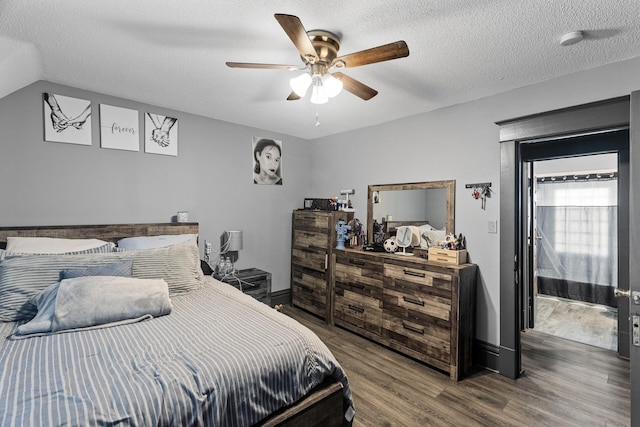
(293, 97)
(357, 88)
(264, 66)
(298, 35)
(382, 53)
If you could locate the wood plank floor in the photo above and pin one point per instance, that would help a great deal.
(565, 384)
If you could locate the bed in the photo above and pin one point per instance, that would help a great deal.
(218, 358)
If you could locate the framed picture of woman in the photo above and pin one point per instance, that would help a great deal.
(267, 161)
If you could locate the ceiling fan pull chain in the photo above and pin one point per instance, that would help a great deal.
(317, 116)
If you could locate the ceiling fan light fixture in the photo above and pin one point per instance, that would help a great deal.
(301, 84)
(332, 85)
(318, 92)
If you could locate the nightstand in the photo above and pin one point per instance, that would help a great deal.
(254, 282)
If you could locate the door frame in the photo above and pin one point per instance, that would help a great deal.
(610, 114)
(615, 141)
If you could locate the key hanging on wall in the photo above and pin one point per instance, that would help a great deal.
(480, 191)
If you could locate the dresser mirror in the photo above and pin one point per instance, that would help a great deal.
(419, 203)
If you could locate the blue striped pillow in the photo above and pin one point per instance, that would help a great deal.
(120, 269)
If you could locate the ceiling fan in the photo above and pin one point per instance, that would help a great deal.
(319, 52)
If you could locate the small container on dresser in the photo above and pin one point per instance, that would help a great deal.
(313, 240)
(448, 256)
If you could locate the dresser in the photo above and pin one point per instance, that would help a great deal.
(423, 309)
(313, 239)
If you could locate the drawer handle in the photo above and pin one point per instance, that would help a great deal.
(354, 308)
(414, 273)
(413, 301)
(356, 262)
(413, 329)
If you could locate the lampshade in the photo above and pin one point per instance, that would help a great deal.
(235, 240)
(300, 84)
(331, 85)
(318, 93)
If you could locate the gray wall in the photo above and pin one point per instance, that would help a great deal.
(461, 143)
(46, 183)
(51, 183)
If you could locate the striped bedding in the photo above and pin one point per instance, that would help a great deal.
(220, 358)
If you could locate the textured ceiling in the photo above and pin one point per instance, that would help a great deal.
(172, 53)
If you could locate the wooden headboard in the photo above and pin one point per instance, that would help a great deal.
(108, 232)
(392, 226)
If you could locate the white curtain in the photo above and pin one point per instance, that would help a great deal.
(577, 254)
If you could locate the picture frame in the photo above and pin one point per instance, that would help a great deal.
(160, 134)
(119, 128)
(66, 119)
(266, 161)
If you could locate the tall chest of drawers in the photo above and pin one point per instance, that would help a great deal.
(423, 309)
(313, 239)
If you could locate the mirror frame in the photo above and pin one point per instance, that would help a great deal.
(448, 185)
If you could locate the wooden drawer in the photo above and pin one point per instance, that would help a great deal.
(418, 284)
(309, 290)
(311, 258)
(358, 270)
(309, 220)
(310, 239)
(254, 282)
(358, 310)
(447, 256)
(417, 306)
(427, 339)
(426, 278)
(358, 292)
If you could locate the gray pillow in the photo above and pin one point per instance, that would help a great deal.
(121, 269)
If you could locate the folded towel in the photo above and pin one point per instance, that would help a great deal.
(96, 301)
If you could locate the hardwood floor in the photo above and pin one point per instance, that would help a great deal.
(565, 384)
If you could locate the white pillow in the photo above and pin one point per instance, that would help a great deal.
(50, 245)
(152, 242)
(425, 227)
(432, 238)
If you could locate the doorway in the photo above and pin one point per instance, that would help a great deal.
(607, 115)
(614, 141)
(575, 249)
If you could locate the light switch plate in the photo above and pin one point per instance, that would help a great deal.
(493, 227)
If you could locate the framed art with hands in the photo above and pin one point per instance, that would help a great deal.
(67, 119)
(160, 134)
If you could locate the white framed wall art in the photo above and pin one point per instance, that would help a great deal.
(160, 134)
(119, 128)
(66, 119)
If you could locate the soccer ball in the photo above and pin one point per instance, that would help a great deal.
(390, 245)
